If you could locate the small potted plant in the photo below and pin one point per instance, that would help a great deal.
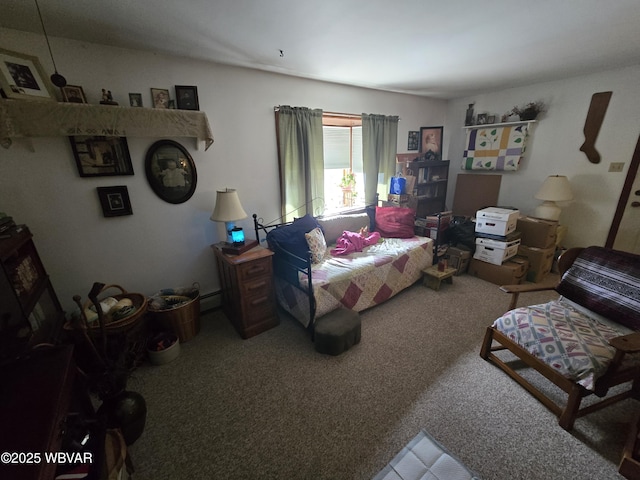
(530, 111)
(348, 180)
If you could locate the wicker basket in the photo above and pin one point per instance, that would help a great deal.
(183, 320)
(116, 326)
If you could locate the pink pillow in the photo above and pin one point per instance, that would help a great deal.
(395, 222)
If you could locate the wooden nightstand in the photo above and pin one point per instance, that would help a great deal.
(247, 290)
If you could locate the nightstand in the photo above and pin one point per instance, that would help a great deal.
(247, 290)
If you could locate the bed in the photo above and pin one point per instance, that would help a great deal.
(310, 283)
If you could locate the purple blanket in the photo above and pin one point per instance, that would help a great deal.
(350, 242)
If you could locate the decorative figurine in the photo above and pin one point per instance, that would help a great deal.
(107, 98)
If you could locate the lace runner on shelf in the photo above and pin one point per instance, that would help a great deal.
(52, 119)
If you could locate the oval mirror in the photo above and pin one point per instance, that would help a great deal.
(170, 171)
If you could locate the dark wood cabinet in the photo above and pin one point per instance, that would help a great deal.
(430, 189)
(35, 397)
(247, 290)
(30, 312)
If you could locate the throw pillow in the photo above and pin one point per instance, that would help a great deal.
(291, 237)
(317, 244)
(395, 222)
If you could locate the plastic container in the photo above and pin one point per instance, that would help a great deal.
(163, 348)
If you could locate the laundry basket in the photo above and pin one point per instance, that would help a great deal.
(176, 310)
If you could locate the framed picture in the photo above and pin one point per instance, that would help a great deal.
(171, 172)
(413, 141)
(491, 119)
(160, 97)
(73, 94)
(135, 99)
(98, 156)
(187, 97)
(482, 119)
(431, 142)
(22, 77)
(115, 201)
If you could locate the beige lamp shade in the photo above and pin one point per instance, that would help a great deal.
(228, 207)
(555, 188)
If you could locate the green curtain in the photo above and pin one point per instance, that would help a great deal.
(300, 156)
(379, 146)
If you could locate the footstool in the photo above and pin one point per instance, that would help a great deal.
(337, 331)
(434, 277)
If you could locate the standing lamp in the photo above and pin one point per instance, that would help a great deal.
(228, 209)
(555, 188)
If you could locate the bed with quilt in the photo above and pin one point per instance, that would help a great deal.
(353, 261)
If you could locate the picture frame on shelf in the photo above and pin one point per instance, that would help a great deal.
(413, 140)
(73, 94)
(171, 172)
(431, 141)
(101, 156)
(115, 201)
(482, 119)
(491, 119)
(160, 97)
(22, 77)
(135, 99)
(187, 97)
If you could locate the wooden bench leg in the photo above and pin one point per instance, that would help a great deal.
(570, 412)
(486, 343)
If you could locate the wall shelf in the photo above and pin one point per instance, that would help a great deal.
(27, 119)
(503, 124)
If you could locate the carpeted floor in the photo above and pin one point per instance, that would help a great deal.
(270, 407)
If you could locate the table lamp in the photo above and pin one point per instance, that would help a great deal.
(555, 188)
(228, 209)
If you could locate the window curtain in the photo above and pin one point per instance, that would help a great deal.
(301, 163)
(379, 145)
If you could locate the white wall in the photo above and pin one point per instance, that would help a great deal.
(163, 245)
(553, 147)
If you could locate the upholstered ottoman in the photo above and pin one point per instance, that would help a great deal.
(337, 331)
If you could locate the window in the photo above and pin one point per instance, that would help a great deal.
(343, 171)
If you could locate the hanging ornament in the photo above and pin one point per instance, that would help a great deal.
(57, 79)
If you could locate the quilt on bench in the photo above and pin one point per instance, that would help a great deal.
(574, 344)
(359, 280)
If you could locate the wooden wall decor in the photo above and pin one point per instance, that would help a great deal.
(595, 116)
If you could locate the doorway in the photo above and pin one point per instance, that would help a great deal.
(624, 233)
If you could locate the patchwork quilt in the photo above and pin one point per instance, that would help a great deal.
(495, 148)
(565, 338)
(358, 280)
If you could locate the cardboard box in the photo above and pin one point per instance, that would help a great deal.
(496, 221)
(393, 198)
(511, 272)
(495, 251)
(537, 232)
(540, 261)
(459, 259)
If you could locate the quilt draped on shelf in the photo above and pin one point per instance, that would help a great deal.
(495, 148)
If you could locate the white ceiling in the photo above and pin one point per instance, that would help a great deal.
(444, 48)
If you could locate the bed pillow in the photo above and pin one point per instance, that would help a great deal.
(317, 244)
(395, 222)
(291, 237)
(334, 225)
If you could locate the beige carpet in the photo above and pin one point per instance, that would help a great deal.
(270, 407)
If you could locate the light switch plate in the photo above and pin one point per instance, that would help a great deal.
(616, 166)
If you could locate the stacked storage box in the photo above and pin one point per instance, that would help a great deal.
(538, 245)
(497, 243)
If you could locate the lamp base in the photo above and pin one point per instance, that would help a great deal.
(548, 211)
(232, 249)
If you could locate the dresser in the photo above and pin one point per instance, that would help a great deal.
(247, 289)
